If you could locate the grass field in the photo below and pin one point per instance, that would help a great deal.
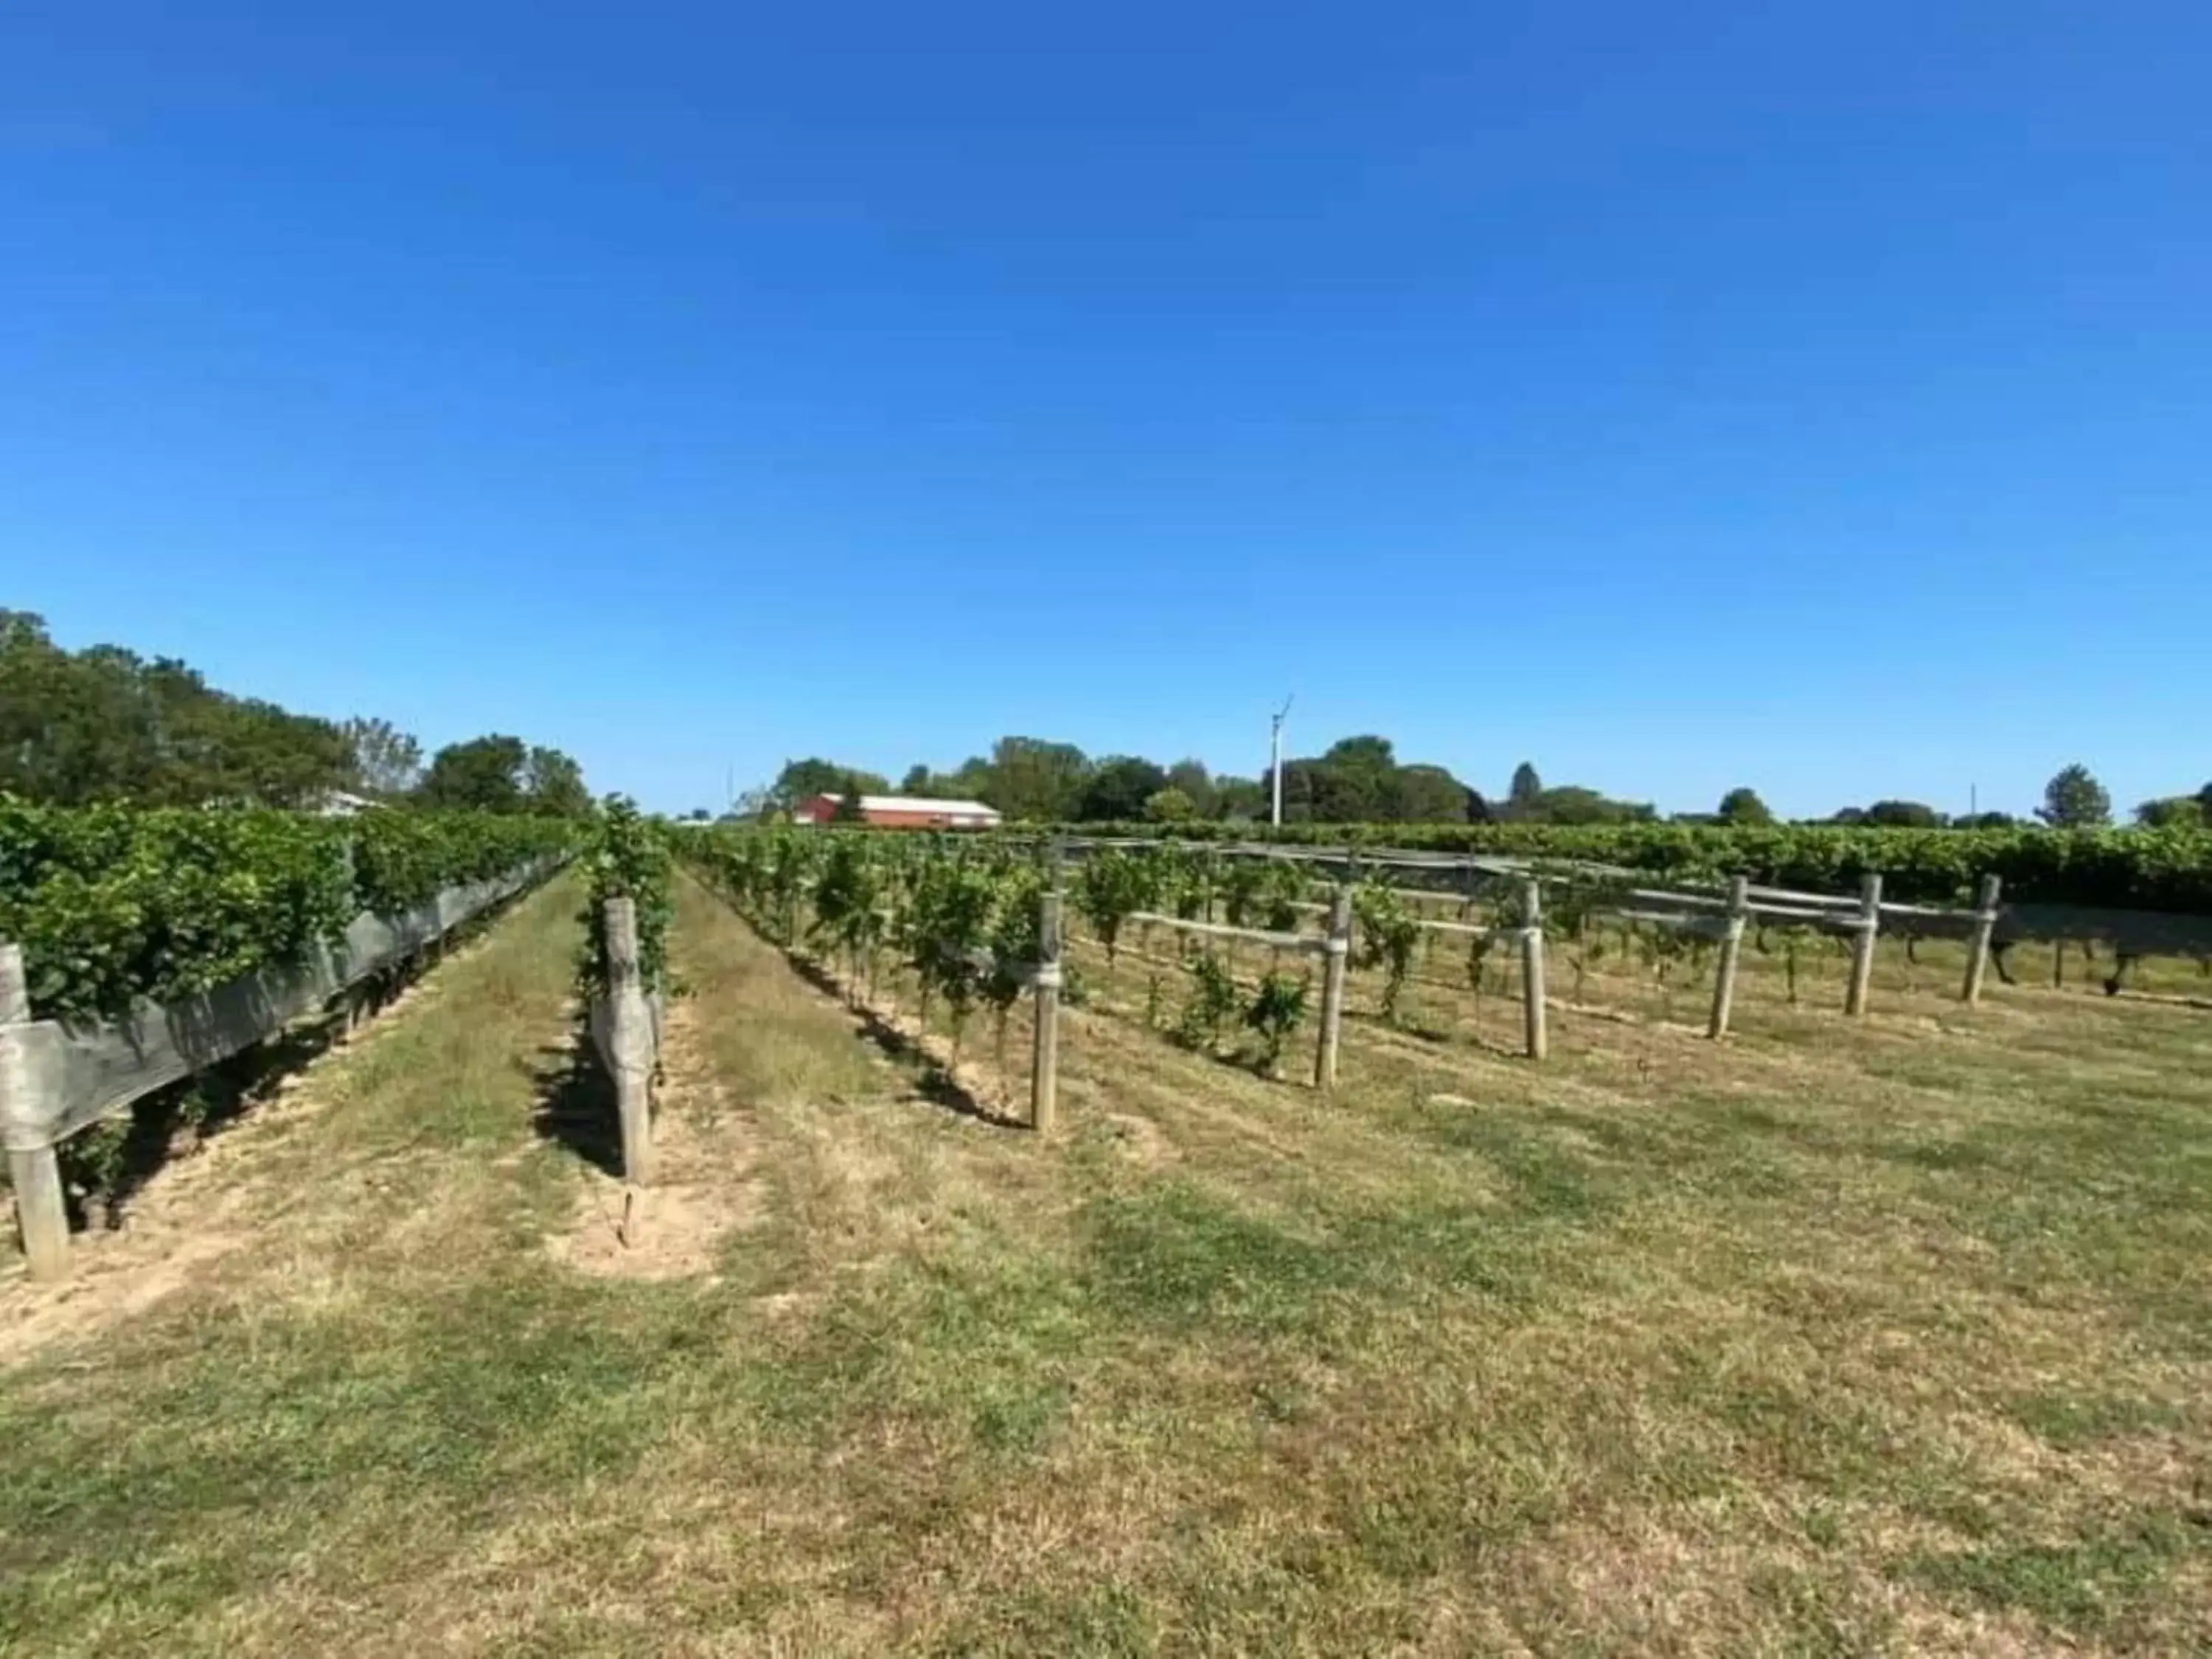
(1892, 1337)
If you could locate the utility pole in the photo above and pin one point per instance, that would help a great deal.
(1275, 762)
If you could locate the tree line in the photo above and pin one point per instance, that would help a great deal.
(2072, 799)
(1360, 780)
(104, 724)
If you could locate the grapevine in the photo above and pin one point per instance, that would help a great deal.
(1277, 1008)
(627, 859)
(2167, 868)
(110, 903)
(1387, 936)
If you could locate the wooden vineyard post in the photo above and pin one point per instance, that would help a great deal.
(1044, 1063)
(33, 1172)
(1336, 952)
(1862, 943)
(1538, 1041)
(2058, 965)
(631, 1040)
(1978, 947)
(1739, 910)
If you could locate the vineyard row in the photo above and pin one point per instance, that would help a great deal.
(2166, 870)
(112, 904)
(971, 918)
(59, 1079)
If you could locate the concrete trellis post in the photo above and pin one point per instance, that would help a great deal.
(1044, 1066)
(1862, 943)
(1978, 947)
(1338, 948)
(1536, 1034)
(33, 1172)
(1739, 911)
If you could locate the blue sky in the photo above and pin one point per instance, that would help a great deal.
(1813, 397)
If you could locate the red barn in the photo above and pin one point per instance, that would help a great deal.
(901, 813)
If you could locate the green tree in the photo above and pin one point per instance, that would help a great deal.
(209, 746)
(1572, 804)
(2074, 799)
(1742, 805)
(2204, 802)
(484, 775)
(104, 724)
(1526, 791)
(2172, 812)
(1239, 798)
(1119, 789)
(1897, 815)
(803, 780)
(1355, 782)
(70, 730)
(973, 781)
(1358, 781)
(916, 780)
(1194, 780)
(1427, 794)
(554, 786)
(1169, 806)
(386, 762)
(848, 810)
(1367, 752)
(1036, 781)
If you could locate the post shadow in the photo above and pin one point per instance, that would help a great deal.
(576, 1106)
(934, 1083)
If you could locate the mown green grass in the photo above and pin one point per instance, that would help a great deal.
(1834, 1340)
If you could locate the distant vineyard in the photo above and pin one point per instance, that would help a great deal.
(973, 923)
(960, 915)
(950, 907)
(2168, 870)
(110, 904)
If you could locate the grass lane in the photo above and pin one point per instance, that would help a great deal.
(1880, 1340)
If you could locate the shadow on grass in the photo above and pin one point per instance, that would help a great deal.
(576, 1106)
(1243, 1056)
(1422, 1028)
(934, 1082)
(105, 1168)
(1236, 1050)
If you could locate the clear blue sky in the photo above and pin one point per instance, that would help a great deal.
(1817, 396)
